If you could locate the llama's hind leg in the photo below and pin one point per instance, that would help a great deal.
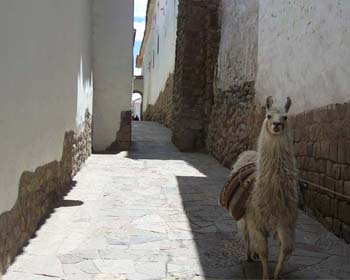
(246, 242)
(286, 238)
(260, 246)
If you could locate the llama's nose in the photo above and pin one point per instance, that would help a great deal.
(277, 124)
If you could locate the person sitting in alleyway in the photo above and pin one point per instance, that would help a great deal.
(136, 118)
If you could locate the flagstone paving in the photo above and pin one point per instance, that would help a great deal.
(152, 213)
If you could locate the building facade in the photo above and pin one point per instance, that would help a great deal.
(297, 49)
(157, 53)
(231, 55)
(55, 74)
(112, 62)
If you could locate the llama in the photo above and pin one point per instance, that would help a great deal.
(272, 205)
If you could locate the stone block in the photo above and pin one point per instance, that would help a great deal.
(317, 150)
(347, 152)
(332, 113)
(313, 178)
(346, 232)
(324, 204)
(300, 162)
(302, 149)
(342, 151)
(334, 170)
(324, 149)
(321, 166)
(328, 223)
(310, 164)
(333, 151)
(339, 188)
(309, 149)
(334, 208)
(347, 188)
(345, 172)
(337, 227)
(329, 183)
(344, 211)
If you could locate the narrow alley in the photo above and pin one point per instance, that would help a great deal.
(152, 213)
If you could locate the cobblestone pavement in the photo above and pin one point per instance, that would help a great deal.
(153, 214)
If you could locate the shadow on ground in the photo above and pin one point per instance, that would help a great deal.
(318, 254)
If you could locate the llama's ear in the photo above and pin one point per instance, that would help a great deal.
(288, 104)
(269, 102)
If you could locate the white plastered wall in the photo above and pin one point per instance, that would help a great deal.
(112, 64)
(44, 71)
(303, 52)
(155, 72)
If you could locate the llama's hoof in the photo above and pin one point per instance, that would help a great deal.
(252, 257)
(255, 257)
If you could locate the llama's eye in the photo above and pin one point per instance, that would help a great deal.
(285, 118)
(269, 116)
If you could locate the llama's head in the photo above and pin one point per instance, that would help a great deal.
(277, 117)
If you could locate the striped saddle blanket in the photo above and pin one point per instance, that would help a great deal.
(235, 193)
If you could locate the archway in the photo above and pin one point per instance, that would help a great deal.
(136, 104)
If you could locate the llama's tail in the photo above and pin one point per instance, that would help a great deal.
(245, 158)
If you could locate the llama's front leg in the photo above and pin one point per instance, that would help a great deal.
(286, 238)
(259, 241)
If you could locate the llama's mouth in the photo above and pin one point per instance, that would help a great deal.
(276, 129)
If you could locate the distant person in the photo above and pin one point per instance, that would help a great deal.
(136, 118)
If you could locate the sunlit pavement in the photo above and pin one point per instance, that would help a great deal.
(152, 213)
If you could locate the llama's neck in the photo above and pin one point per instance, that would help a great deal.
(275, 154)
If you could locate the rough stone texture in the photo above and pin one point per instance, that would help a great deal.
(235, 123)
(82, 144)
(39, 191)
(235, 117)
(123, 137)
(162, 110)
(197, 46)
(322, 138)
(152, 213)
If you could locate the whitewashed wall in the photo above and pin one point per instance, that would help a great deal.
(303, 51)
(112, 64)
(156, 71)
(45, 83)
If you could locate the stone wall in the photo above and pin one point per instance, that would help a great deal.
(39, 191)
(235, 123)
(162, 110)
(322, 141)
(122, 140)
(234, 113)
(196, 53)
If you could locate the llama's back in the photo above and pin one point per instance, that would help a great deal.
(244, 158)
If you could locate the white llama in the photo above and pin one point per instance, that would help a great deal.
(272, 205)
